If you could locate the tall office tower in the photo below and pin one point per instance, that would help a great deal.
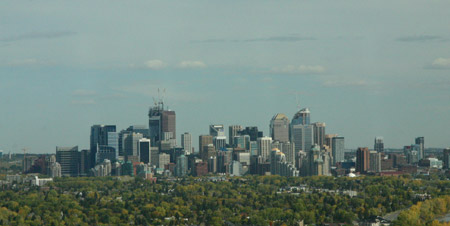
(28, 162)
(421, 141)
(154, 156)
(204, 140)
(319, 133)
(186, 143)
(302, 117)
(252, 131)
(362, 160)
(302, 136)
(253, 147)
(131, 145)
(224, 158)
(338, 149)
(220, 142)
(276, 156)
(139, 129)
(264, 147)
(164, 159)
(168, 122)
(69, 159)
(154, 123)
(121, 141)
(181, 167)
(160, 121)
(315, 160)
(329, 140)
(446, 159)
(84, 161)
(412, 153)
(232, 132)
(379, 144)
(279, 127)
(105, 138)
(208, 152)
(144, 150)
(375, 161)
(54, 169)
(288, 149)
(212, 164)
(241, 141)
(216, 130)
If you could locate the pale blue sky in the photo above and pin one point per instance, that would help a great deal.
(365, 68)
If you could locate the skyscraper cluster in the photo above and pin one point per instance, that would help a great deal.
(294, 147)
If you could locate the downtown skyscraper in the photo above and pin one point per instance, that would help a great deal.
(279, 128)
(161, 122)
(104, 144)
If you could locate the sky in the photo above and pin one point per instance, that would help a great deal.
(365, 68)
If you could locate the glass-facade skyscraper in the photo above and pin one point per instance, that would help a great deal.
(104, 138)
(279, 128)
(302, 117)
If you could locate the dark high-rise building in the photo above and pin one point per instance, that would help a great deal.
(204, 140)
(69, 159)
(104, 143)
(232, 132)
(446, 159)
(421, 141)
(252, 131)
(379, 144)
(302, 117)
(319, 133)
(131, 147)
(154, 123)
(139, 129)
(161, 122)
(144, 150)
(362, 160)
(279, 128)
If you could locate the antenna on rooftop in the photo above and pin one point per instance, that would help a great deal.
(297, 100)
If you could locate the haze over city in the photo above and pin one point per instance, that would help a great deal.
(366, 69)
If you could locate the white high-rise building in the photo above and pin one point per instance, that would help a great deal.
(264, 147)
(186, 143)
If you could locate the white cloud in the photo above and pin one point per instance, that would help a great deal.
(338, 83)
(155, 64)
(191, 64)
(83, 92)
(441, 63)
(302, 69)
(84, 102)
(24, 62)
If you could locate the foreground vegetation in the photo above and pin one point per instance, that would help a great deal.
(253, 200)
(425, 213)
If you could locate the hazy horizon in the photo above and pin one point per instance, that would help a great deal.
(366, 69)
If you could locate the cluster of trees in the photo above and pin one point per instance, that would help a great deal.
(252, 200)
(425, 213)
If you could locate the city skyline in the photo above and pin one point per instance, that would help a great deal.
(366, 69)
